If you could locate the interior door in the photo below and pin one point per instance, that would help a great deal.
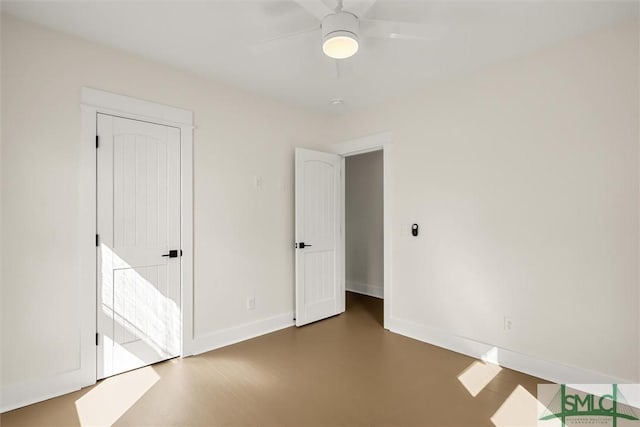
(319, 209)
(138, 295)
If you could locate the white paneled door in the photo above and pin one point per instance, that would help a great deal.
(138, 295)
(319, 209)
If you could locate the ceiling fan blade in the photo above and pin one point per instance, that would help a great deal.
(316, 8)
(401, 30)
(359, 7)
(271, 43)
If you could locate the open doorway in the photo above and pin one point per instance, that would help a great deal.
(320, 228)
(364, 233)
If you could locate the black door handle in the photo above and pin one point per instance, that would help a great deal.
(173, 253)
(303, 245)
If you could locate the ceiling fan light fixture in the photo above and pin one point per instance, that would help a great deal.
(340, 45)
(340, 35)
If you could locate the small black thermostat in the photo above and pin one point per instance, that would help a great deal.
(414, 229)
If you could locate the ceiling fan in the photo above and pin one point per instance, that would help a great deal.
(342, 29)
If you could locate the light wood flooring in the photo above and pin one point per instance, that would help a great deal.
(343, 371)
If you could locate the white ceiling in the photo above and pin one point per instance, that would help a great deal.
(221, 39)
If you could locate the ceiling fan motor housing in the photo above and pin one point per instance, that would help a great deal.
(340, 24)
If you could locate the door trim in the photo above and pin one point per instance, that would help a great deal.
(376, 142)
(95, 101)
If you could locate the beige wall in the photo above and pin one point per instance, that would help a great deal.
(524, 180)
(1, 210)
(243, 237)
(364, 221)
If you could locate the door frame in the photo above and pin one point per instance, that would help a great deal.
(377, 142)
(94, 101)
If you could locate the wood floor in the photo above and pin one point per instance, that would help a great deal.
(343, 371)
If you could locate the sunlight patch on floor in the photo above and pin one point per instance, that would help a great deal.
(111, 398)
(476, 377)
(491, 356)
(519, 409)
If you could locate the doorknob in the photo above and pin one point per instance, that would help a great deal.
(173, 253)
(303, 245)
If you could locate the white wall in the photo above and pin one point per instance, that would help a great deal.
(364, 223)
(243, 236)
(524, 180)
(1, 187)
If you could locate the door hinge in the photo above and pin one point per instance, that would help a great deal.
(97, 240)
(96, 338)
(97, 141)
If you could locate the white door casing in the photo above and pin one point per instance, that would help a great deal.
(138, 221)
(319, 213)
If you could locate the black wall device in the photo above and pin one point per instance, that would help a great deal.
(414, 229)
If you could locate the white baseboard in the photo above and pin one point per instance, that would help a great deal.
(13, 396)
(225, 337)
(376, 291)
(17, 395)
(550, 371)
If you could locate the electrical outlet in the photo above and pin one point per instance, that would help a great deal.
(508, 323)
(251, 303)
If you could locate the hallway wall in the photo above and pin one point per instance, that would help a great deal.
(364, 224)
